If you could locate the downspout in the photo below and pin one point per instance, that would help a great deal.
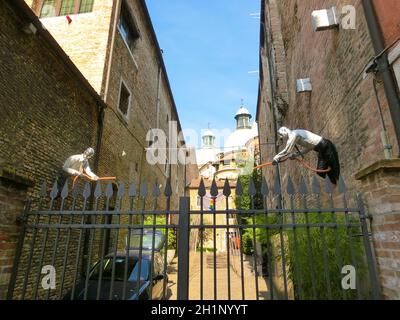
(273, 97)
(383, 66)
(158, 97)
(100, 128)
(100, 124)
(100, 120)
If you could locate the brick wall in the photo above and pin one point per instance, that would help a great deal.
(46, 115)
(12, 199)
(46, 120)
(85, 39)
(273, 94)
(93, 46)
(380, 184)
(342, 106)
(389, 20)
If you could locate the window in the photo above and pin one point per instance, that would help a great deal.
(48, 9)
(124, 100)
(54, 8)
(127, 27)
(243, 122)
(86, 6)
(116, 270)
(67, 7)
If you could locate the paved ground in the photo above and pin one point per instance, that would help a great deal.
(249, 281)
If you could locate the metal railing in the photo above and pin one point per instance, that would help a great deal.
(90, 243)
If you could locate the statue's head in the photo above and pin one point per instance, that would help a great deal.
(283, 132)
(88, 153)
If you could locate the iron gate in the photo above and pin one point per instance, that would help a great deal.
(117, 244)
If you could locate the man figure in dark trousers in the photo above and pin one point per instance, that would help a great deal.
(327, 154)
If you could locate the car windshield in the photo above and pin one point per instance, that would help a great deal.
(119, 270)
(145, 240)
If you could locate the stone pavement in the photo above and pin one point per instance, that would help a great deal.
(249, 281)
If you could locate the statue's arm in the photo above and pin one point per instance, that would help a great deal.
(89, 172)
(288, 149)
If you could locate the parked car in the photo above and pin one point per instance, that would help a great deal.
(137, 288)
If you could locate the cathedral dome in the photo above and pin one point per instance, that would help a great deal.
(244, 131)
(206, 155)
(237, 140)
(208, 152)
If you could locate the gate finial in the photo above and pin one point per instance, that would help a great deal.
(252, 188)
(97, 190)
(202, 189)
(264, 187)
(168, 188)
(132, 190)
(214, 189)
(121, 190)
(342, 185)
(239, 188)
(64, 192)
(316, 186)
(303, 186)
(227, 188)
(86, 191)
(156, 190)
(143, 190)
(328, 186)
(109, 190)
(290, 187)
(54, 191)
(277, 186)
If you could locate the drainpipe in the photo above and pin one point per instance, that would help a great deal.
(100, 121)
(383, 66)
(158, 96)
(271, 72)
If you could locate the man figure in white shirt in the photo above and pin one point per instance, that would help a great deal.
(327, 153)
(77, 165)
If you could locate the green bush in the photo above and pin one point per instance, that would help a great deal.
(310, 270)
(248, 247)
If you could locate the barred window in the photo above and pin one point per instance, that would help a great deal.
(67, 7)
(86, 6)
(54, 8)
(48, 9)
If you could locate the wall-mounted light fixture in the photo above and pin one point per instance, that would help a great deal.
(304, 85)
(29, 29)
(325, 19)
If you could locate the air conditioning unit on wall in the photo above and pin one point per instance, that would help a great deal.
(304, 85)
(325, 19)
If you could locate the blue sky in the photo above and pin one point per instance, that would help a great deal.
(209, 48)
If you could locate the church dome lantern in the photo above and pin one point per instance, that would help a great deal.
(208, 139)
(243, 117)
